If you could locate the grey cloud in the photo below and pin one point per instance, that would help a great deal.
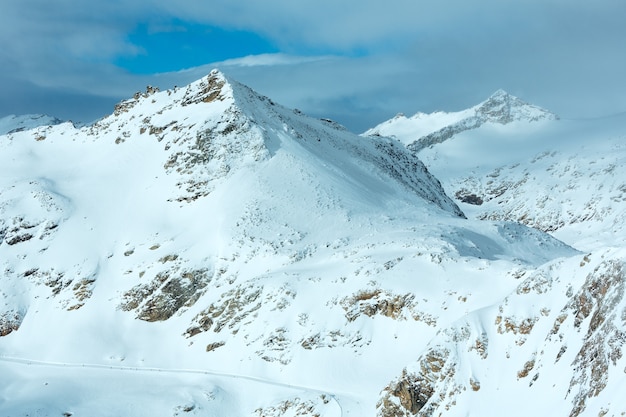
(415, 56)
(21, 97)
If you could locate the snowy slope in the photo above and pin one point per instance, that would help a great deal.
(561, 176)
(554, 345)
(205, 250)
(566, 177)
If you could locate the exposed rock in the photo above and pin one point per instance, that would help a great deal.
(504, 108)
(501, 108)
(445, 133)
(214, 152)
(379, 302)
(467, 197)
(404, 167)
(414, 392)
(295, 407)
(10, 321)
(212, 346)
(601, 304)
(276, 347)
(373, 302)
(474, 384)
(210, 90)
(166, 294)
(233, 307)
(83, 290)
(515, 325)
(528, 366)
(333, 338)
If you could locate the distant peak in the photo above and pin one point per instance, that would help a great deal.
(500, 93)
(13, 123)
(500, 97)
(502, 107)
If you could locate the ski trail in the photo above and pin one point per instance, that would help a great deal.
(35, 362)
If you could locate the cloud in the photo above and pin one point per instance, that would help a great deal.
(356, 62)
(19, 97)
(271, 60)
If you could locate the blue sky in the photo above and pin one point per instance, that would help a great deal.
(178, 45)
(356, 62)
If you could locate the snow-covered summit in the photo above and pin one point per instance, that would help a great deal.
(503, 108)
(425, 129)
(215, 126)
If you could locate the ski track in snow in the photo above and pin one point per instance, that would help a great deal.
(35, 362)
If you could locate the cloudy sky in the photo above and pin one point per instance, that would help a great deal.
(357, 62)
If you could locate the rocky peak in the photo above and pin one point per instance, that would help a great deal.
(213, 87)
(501, 107)
(426, 129)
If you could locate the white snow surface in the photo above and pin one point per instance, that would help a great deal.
(206, 251)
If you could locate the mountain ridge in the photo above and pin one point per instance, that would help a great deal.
(209, 229)
(500, 108)
(13, 123)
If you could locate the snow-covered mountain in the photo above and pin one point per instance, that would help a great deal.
(206, 251)
(13, 123)
(423, 130)
(566, 177)
(554, 345)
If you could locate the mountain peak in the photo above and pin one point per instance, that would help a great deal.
(210, 88)
(424, 129)
(500, 94)
(215, 128)
(502, 107)
(213, 87)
